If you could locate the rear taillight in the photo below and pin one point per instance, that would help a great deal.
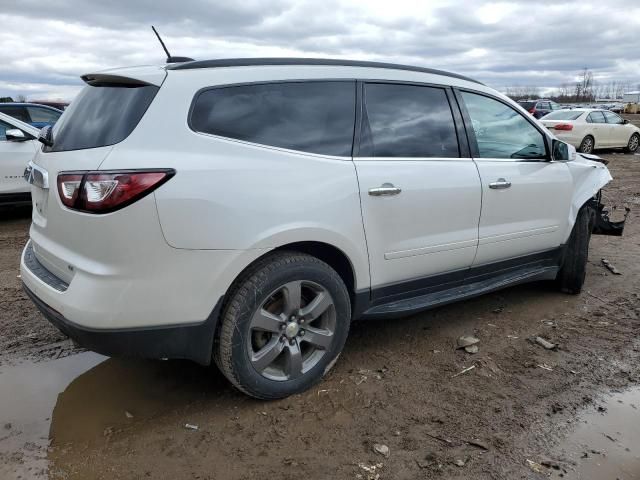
(104, 192)
(532, 111)
(563, 126)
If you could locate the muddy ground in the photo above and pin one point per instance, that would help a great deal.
(398, 383)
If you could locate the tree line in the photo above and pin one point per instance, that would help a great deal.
(585, 89)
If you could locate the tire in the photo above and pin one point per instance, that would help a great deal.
(587, 145)
(269, 348)
(571, 276)
(633, 144)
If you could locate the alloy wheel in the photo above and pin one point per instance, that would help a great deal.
(291, 330)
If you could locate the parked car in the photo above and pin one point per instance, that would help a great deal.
(36, 115)
(588, 129)
(18, 145)
(539, 108)
(248, 210)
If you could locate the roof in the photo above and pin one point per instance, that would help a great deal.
(245, 62)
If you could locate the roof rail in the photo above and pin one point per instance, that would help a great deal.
(246, 62)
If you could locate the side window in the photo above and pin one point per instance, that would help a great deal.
(596, 117)
(612, 117)
(315, 117)
(407, 121)
(543, 106)
(500, 131)
(3, 128)
(43, 115)
(16, 112)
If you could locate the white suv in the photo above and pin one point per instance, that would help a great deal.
(247, 211)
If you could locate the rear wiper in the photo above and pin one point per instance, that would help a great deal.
(46, 136)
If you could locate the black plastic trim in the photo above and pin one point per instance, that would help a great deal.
(40, 271)
(249, 62)
(15, 198)
(419, 294)
(189, 341)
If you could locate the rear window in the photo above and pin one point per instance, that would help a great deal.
(563, 115)
(101, 116)
(16, 112)
(314, 117)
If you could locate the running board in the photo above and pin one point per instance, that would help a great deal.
(431, 300)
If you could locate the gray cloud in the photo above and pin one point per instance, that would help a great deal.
(543, 43)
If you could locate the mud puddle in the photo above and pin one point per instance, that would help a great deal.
(606, 441)
(83, 398)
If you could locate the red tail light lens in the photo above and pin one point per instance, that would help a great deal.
(532, 110)
(104, 192)
(563, 126)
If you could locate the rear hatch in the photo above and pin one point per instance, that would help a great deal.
(102, 115)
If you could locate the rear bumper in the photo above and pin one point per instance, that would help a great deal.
(185, 341)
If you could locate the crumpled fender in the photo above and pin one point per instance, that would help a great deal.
(589, 176)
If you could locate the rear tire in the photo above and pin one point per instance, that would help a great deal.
(284, 325)
(633, 144)
(587, 145)
(571, 276)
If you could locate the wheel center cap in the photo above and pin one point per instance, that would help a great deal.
(291, 330)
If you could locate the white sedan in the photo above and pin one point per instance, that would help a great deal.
(18, 145)
(590, 128)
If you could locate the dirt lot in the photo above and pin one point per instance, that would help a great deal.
(398, 383)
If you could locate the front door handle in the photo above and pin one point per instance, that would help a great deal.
(385, 189)
(500, 184)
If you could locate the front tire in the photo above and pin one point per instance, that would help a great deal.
(571, 276)
(633, 144)
(285, 324)
(587, 145)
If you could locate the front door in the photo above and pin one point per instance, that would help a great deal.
(14, 157)
(420, 199)
(526, 198)
(618, 131)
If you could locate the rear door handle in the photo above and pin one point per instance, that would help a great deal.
(386, 189)
(501, 183)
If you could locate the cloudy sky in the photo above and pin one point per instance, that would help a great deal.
(45, 46)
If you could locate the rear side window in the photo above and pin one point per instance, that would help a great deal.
(596, 117)
(101, 116)
(407, 121)
(16, 112)
(43, 115)
(500, 131)
(314, 117)
(564, 115)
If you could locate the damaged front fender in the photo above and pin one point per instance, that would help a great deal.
(602, 224)
(590, 175)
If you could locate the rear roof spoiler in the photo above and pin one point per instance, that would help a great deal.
(127, 77)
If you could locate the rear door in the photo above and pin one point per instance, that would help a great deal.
(420, 192)
(599, 129)
(525, 196)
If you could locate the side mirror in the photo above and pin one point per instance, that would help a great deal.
(625, 121)
(563, 152)
(15, 135)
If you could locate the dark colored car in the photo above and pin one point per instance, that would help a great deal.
(539, 108)
(37, 115)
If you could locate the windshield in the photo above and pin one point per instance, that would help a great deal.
(527, 105)
(100, 116)
(563, 115)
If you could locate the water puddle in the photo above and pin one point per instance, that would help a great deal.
(28, 395)
(83, 398)
(606, 442)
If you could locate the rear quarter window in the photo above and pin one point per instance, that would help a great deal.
(313, 116)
